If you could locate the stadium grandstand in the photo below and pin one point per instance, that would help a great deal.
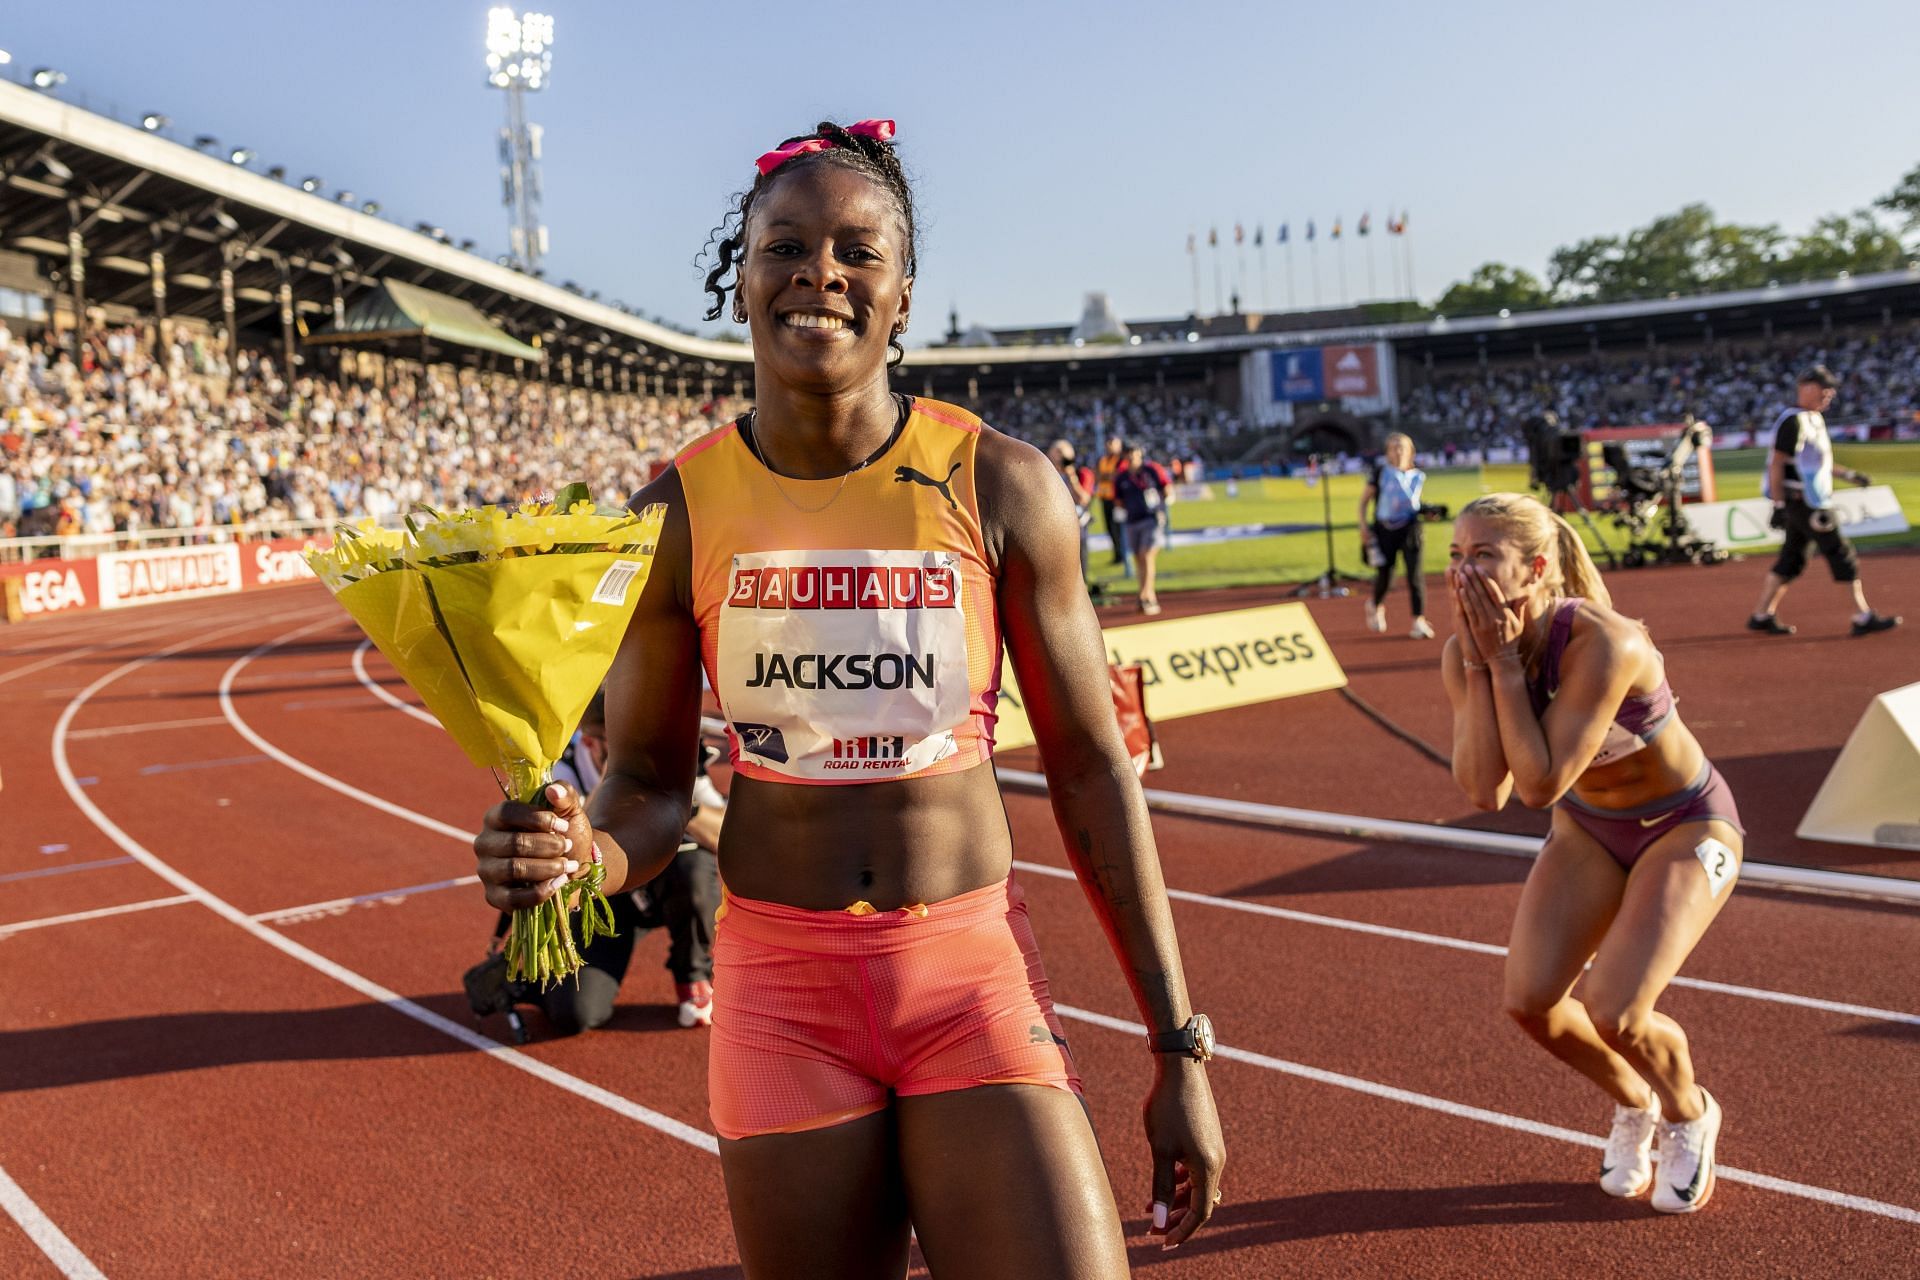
(189, 343)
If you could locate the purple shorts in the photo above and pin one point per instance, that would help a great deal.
(1626, 833)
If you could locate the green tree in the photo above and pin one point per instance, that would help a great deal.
(1839, 242)
(1493, 286)
(1903, 202)
(1578, 272)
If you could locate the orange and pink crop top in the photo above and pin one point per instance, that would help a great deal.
(850, 632)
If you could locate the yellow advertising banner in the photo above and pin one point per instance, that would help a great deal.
(1205, 663)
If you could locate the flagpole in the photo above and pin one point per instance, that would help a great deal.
(1406, 237)
(1193, 261)
(1219, 306)
(1340, 256)
(1373, 289)
(1292, 305)
(1313, 261)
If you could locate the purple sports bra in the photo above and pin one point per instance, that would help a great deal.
(1641, 716)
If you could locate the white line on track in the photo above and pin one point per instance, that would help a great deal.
(1499, 1119)
(341, 904)
(305, 955)
(1371, 1088)
(53, 1242)
(116, 730)
(1489, 949)
(99, 913)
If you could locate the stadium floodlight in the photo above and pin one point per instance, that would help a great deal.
(205, 142)
(241, 155)
(520, 61)
(344, 197)
(48, 78)
(277, 172)
(370, 208)
(466, 246)
(153, 122)
(311, 184)
(5, 57)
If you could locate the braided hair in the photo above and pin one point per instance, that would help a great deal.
(864, 155)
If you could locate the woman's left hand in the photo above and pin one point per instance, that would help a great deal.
(1495, 625)
(1183, 1132)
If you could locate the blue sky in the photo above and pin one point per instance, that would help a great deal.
(1059, 147)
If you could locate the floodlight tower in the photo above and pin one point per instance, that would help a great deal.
(520, 61)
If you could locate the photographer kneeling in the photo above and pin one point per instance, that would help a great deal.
(682, 899)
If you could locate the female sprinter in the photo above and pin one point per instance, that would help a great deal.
(846, 561)
(1393, 531)
(1565, 703)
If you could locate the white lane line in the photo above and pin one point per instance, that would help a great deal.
(1499, 1119)
(53, 1242)
(1489, 949)
(381, 692)
(99, 913)
(305, 955)
(116, 730)
(334, 906)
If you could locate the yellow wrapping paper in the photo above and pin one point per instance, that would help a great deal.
(505, 623)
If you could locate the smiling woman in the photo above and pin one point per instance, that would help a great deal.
(847, 564)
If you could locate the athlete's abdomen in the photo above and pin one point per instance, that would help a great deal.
(891, 844)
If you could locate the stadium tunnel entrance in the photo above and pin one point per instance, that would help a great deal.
(1338, 432)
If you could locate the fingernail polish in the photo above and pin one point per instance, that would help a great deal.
(1159, 1216)
(557, 824)
(572, 866)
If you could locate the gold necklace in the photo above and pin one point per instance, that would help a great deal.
(753, 447)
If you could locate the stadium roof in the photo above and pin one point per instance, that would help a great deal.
(399, 310)
(129, 193)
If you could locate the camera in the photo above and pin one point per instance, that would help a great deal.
(1436, 512)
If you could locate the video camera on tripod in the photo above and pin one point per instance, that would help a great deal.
(1553, 454)
(1645, 489)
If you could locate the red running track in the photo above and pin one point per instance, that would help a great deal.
(250, 1054)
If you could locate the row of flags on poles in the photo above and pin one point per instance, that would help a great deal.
(1394, 226)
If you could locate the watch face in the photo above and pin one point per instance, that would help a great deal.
(1203, 1035)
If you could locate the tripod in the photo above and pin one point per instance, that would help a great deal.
(1579, 508)
(1330, 581)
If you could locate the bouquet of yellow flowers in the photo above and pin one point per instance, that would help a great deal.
(505, 623)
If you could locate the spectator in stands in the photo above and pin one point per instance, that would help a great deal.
(682, 899)
(1392, 530)
(1145, 491)
(1799, 479)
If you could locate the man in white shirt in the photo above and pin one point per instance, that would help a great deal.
(1799, 479)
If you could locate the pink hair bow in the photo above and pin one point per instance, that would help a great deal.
(878, 130)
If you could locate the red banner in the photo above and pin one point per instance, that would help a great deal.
(1351, 371)
(41, 587)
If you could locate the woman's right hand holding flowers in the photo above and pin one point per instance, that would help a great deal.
(524, 855)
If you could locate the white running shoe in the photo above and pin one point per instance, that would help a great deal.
(1627, 1167)
(1686, 1160)
(696, 1003)
(1422, 630)
(1376, 618)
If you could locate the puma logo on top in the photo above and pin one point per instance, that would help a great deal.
(907, 475)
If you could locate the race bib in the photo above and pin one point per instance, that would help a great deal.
(1719, 862)
(844, 666)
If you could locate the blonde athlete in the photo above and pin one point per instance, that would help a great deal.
(1563, 702)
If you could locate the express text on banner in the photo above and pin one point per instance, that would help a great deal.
(1205, 663)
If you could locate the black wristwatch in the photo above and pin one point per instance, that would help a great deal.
(1194, 1040)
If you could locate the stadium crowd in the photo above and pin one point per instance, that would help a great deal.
(122, 443)
(1167, 424)
(1733, 388)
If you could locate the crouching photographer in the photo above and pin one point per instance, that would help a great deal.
(682, 899)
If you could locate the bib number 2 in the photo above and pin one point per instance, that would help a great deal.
(1719, 862)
